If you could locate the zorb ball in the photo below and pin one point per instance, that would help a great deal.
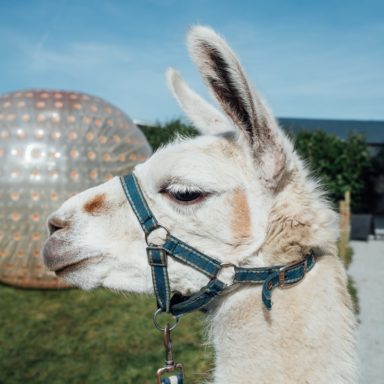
(53, 144)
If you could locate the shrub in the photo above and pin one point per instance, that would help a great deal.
(342, 165)
(161, 134)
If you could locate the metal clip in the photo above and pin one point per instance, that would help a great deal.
(170, 365)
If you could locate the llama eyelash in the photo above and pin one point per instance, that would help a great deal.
(183, 198)
(181, 188)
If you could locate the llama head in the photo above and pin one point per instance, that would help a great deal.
(214, 192)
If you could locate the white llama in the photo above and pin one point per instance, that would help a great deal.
(244, 198)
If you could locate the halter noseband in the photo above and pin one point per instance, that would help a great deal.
(268, 277)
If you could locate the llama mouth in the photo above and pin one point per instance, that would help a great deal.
(60, 257)
(77, 265)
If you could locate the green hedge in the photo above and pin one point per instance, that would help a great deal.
(342, 165)
(161, 134)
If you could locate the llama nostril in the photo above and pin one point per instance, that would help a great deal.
(55, 224)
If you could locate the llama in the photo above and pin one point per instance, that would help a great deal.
(240, 194)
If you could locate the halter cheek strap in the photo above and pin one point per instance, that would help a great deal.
(268, 277)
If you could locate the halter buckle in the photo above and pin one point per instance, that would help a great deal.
(294, 264)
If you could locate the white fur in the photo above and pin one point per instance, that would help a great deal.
(207, 119)
(262, 209)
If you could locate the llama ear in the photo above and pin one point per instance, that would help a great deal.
(226, 79)
(206, 118)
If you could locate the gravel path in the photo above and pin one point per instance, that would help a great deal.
(367, 269)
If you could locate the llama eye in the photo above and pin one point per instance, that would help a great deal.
(184, 194)
(187, 196)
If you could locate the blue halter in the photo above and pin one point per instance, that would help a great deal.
(268, 277)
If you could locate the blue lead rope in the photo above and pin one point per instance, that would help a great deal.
(268, 277)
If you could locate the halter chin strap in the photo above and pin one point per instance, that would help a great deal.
(268, 277)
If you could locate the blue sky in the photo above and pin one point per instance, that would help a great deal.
(317, 59)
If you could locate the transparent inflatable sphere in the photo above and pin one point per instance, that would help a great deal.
(53, 144)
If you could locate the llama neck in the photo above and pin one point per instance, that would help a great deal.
(306, 338)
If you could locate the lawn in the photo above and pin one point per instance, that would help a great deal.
(71, 336)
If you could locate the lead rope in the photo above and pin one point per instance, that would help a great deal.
(171, 372)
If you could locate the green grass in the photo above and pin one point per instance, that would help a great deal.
(352, 289)
(348, 257)
(71, 336)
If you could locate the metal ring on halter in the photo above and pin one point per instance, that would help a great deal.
(222, 268)
(155, 229)
(157, 325)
